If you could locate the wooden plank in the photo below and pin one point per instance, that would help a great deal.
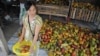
(52, 14)
(88, 15)
(74, 13)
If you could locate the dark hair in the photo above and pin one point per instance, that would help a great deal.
(28, 4)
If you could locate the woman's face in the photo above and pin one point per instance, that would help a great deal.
(32, 10)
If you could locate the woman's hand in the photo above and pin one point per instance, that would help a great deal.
(31, 49)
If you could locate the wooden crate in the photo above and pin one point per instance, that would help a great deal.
(85, 15)
(53, 10)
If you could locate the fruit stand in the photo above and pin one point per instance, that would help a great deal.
(69, 39)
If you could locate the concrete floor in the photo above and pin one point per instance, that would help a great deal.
(10, 29)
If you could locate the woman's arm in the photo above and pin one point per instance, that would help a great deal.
(37, 30)
(38, 26)
(22, 34)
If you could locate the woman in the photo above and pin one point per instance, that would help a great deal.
(32, 24)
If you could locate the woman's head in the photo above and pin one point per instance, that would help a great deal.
(30, 6)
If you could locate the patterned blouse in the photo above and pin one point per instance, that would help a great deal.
(37, 21)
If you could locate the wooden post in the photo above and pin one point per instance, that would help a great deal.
(68, 17)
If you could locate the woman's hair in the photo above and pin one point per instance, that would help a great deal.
(28, 4)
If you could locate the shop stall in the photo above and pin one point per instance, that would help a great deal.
(73, 38)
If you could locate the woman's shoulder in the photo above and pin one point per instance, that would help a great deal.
(39, 19)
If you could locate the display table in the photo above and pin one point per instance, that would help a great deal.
(14, 39)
